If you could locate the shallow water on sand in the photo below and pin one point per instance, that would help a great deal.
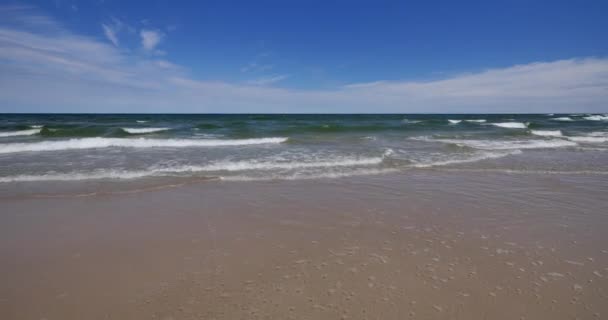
(424, 244)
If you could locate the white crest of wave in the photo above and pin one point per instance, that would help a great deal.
(474, 158)
(476, 120)
(314, 176)
(562, 119)
(214, 167)
(589, 139)
(144, 130)
(598, 134)
(454, 121)
(260, 165)
(510, 125)
(505, 144)
(78, 176)
(596, 118)
(28, 132)
(92, 143)
(141, 121)
(547, 133)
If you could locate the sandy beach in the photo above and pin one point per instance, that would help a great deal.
(417, 245)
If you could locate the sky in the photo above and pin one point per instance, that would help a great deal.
(296, 56)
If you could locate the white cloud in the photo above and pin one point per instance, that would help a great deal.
(150, 39)
(262, 81)
(44, 67)
(110, 33)
(113, 27)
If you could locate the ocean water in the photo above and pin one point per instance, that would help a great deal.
(76, 148)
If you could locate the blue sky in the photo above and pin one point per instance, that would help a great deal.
(303, 56)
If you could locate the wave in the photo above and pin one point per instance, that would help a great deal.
(475, 158)
(588, 139)
(547, 133)
(476, 120)
(596, 118)
(230, 166)
(78, 176)
(93, 143)
(562, 119)
(510, 125)
(141, 121)
(325, 175)
(144, 130)
(454, 121)
(505, 144)
(261, 165)
(77, 132)
(19, 133)
(598, 134)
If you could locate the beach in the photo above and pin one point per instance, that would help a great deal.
(422, 244)
(303, 160)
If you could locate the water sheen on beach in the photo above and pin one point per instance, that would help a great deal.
(159, 149)
(304, 216)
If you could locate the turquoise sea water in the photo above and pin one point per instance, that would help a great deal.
(117, 147)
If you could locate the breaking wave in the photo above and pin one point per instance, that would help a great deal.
(596, 118)
(94, 143)
(547, 133)
(213, 167)
(474, 158)
(505, 144)
(144, 130)
(510, 125)
(20, 133)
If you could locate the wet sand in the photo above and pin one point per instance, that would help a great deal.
(418, 245)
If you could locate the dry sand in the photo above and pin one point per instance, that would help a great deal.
(431, 245)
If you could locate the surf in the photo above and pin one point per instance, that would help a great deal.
(98, 143)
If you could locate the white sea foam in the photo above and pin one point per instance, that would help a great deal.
(262, 165)
(230, 166)
(588, 139)
(510, 125)
(547, 133)
(476, 120)
(454, 121)
(596, 117)
(562, 119)
(314, 176)
(141, 121)
(92, 143)
(505, 144)
(598, 134)
(79, 176)
(473, 158)
(144, 130)
(28, 132)
(36, 126)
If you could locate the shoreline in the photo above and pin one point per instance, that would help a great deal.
(417, 245)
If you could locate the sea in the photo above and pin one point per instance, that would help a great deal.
(72, 149)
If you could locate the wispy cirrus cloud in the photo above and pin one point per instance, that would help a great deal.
(263, 81)
(150, 39)
(45, 67)
(110, 33)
